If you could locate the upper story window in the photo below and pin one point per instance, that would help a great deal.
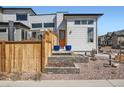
(2, 29)
(90, 22)
(48, 25)
(90, 34)
(21, 17)
(37, 25)
(84, 22)
(77, 22)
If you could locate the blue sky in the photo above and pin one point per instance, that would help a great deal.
(112, 20)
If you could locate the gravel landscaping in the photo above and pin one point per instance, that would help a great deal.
(98, 69)
(88, 71)
(20, 76)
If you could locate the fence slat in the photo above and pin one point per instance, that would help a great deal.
(3, 56)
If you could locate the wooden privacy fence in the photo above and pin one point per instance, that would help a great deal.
(22, 56)
(49, 40)
(26, 56)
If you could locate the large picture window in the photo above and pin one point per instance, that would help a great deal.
(90, 34)
(21, 17)
(48, 25)
(37, 25)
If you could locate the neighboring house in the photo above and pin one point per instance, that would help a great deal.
(108, 39)
(20, 31)
(101, 40)
(117, 38)
(78, 30)
(20, 16)
(112, 39)
(105, 40)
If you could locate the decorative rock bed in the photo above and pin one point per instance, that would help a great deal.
(62, 68)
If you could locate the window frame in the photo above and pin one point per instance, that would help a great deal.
(75, 22)
(37, 24)
(53, 25)
(90, 23)
(21, 19)
(4, 29)
(90, 34)
(83, 23)
(22, 35)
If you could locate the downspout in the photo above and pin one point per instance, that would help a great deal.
(96, 36)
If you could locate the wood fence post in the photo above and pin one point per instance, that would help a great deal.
(3, 56)
(41, 56)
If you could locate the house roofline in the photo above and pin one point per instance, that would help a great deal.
(83, 14)
(21, 8)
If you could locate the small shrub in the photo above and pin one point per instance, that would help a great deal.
(93, 52)
(38, 76)
(3, 76)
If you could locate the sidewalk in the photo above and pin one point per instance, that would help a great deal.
(64, 83)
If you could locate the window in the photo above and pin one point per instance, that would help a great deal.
(77, 22)
(3, 30)
(23, 34)
(90, 34)
(33, 34)
(84, 22)
(48, 24)
(62, 35)
(39, 36)
(90, 22)
(37, 25)
(21, 17)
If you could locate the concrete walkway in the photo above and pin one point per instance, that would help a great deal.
(64, 83)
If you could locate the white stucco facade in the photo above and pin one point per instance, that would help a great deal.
(77, 35)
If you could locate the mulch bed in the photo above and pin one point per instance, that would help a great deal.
(60, 64)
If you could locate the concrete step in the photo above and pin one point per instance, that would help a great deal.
(67, 58)
(62, 53)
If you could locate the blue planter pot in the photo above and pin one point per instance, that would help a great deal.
(56, 48)
(68, 47)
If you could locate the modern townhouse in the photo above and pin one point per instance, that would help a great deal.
(78, 30)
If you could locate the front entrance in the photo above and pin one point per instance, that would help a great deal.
(62, 38)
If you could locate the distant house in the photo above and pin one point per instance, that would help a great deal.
(101, 40)
(108, 39)
(117, 38)
(105, 40)
(112, 39)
